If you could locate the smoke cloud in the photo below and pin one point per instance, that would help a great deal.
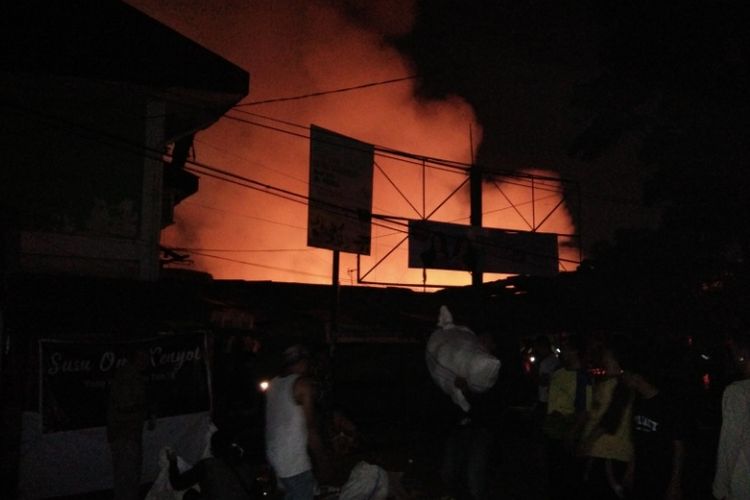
(293, 48)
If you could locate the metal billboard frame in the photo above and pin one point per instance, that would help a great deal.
(487, 176)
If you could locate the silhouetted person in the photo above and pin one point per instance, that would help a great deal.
(570, 396)
(470, 444)
(223, 476)
(546, 363)
(606, 441)
(659, 432)
(732, 478)
(127, 410)
(293, 440)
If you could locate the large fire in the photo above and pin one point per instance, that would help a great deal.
(293, 48)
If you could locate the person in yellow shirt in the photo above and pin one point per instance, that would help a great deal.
(606, 442)
(570, 395)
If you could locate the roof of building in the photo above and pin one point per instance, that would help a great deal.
(113, 45)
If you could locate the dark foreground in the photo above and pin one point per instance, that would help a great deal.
(517, 466)
(403, 420)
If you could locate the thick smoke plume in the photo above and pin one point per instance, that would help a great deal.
(292, 48)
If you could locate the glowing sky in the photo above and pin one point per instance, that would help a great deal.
(292, 48)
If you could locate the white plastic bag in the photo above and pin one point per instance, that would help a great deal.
(209, 432)
(454, 351)
(162, 488)
(366, 482)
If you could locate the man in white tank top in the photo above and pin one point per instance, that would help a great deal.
(291, 431)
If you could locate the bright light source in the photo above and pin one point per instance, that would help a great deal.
(557, 350)
(263, 385)
(532, 359)
(705, 357)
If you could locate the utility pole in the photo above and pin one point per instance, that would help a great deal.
(475, 186)
(334, 300)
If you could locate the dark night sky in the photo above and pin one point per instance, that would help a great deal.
(543, 74)
(519, 64)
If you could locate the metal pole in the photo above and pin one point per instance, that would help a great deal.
(475, 188)
(424, 189)
(334, 299)
(533, 206)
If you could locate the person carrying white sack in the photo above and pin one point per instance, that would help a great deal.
(464, 365)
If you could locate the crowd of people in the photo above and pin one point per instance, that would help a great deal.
(618, 420)
(611, 423)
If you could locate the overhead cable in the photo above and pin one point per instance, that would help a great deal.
(327, 92)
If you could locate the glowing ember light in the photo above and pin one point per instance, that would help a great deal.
(706, 381)
(263, 385)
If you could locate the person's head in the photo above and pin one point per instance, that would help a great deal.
(740, 349)
(616, 352)
(296, 359)
(572, 352)
(644, 371)
(542, 346)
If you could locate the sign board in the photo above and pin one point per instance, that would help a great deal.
(75, 377)
(340, 206)
(441, 245)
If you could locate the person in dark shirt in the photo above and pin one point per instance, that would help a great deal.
(659, 433)
(224, 476)
(127, 409)
(469, 446)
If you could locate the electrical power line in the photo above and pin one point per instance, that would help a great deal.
(244, 216)
(262, 266)
(412, 158)
(250, 161)
(241, 250)
(254, 162)
(201, 168)
(327, 92)
(211, 171)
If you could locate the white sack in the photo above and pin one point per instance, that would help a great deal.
(366, 482)
(162, 488)
(454, 351)
(88, 466)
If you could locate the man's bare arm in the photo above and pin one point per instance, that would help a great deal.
(304, 394)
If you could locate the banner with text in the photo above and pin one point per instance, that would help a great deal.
(340, 206)
(75, 377)
(440, 245)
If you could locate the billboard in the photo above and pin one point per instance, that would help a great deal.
(75, 377)
(441, 245)
(64, 448)
(340, 207)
